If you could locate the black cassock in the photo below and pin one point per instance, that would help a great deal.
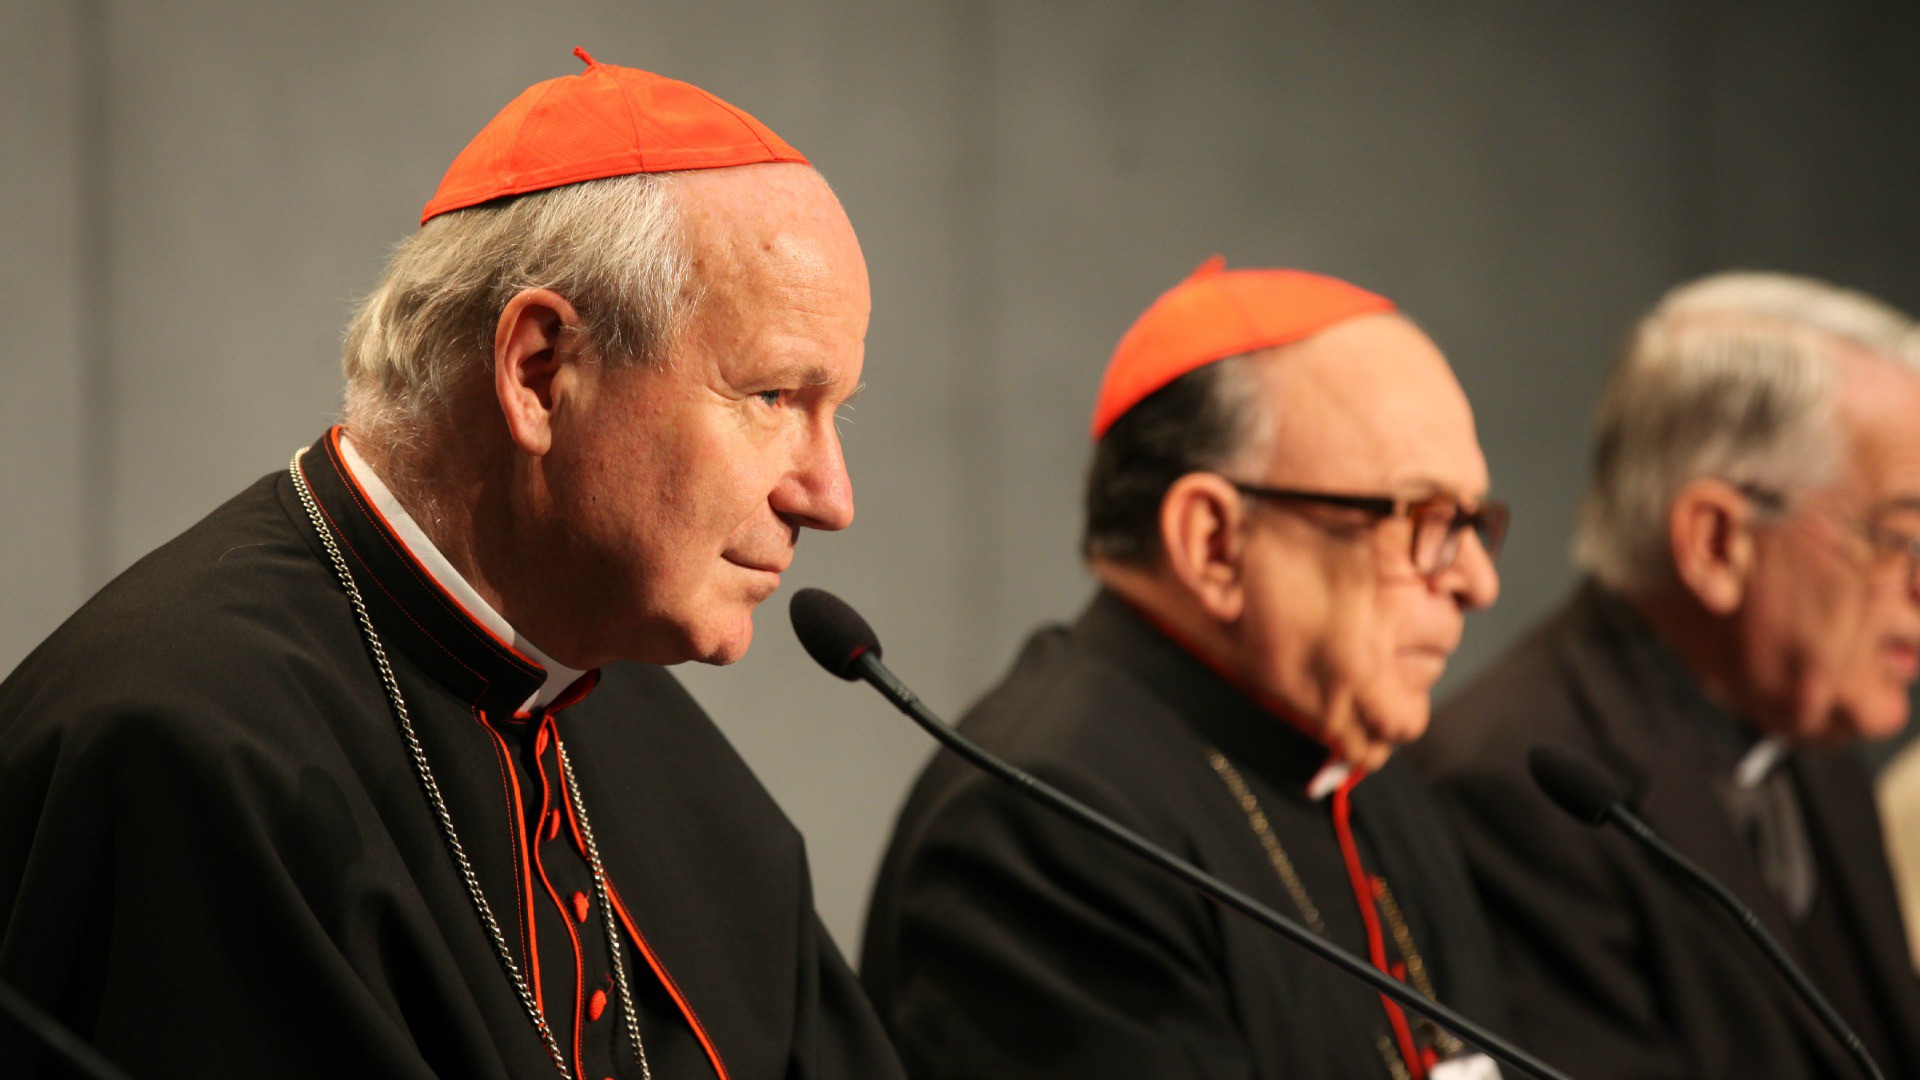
(1004, 942)
(1614, 964)
(216, 857)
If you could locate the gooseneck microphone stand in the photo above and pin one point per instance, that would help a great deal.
(842, 642)
(1579, 787)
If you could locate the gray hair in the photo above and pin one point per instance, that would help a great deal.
(1206, 420)
(612, 247)
(1731, 376)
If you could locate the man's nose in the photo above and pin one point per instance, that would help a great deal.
(817, 493)
(1472, 577)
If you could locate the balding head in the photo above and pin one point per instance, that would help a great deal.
(1289, 558)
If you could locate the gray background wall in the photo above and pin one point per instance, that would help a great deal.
(194, 193)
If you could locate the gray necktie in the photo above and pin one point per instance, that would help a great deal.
(1768, 817)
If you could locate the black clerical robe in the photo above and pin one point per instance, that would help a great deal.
(1617, 968)
(217, 859)
(1005, 942)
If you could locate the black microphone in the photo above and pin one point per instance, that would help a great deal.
(841, 641)
(1575, 784)
(1584, 790)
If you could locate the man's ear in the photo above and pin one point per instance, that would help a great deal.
(537, 335)
(1202, 539)
(1709, 529)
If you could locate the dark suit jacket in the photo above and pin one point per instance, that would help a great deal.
(1004, 941)
(1616, 968)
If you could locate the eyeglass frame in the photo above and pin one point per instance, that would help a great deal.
(1883, 541)
(1489, 521)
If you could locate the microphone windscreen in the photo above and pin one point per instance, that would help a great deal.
(831, 631)
(1576, 784)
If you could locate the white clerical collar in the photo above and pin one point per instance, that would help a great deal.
(1759, 762)
(559, 676)
(1328, 779)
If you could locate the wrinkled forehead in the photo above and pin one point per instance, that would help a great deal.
(1878, 402)
(769, 228)
(1371, 405)
(739, 210)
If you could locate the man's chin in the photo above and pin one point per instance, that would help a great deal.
(1380, 735)
(697, 642)
(727, 645)
(1420, 671)
(1403, 720)
(1875, 720)
(1371, 756)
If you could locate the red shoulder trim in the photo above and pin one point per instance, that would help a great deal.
(413, 564)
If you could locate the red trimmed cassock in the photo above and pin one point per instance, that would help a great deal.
(217, 858)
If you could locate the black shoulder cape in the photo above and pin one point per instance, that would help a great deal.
(1005, 942)
(216, 857)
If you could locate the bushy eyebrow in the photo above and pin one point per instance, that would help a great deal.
(1414, 487)
(807, 377)
(810, 377)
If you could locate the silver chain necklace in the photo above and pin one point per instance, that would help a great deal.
(1443, 1041)
(439, 804)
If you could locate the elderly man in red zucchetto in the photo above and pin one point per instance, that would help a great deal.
(355, 776)
(1288, 518)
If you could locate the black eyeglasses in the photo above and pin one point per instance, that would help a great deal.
(1438, 520)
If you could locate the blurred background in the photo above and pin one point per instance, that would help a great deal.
(194, 194)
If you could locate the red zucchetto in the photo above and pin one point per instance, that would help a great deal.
(1217, 313)
(606, 121)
